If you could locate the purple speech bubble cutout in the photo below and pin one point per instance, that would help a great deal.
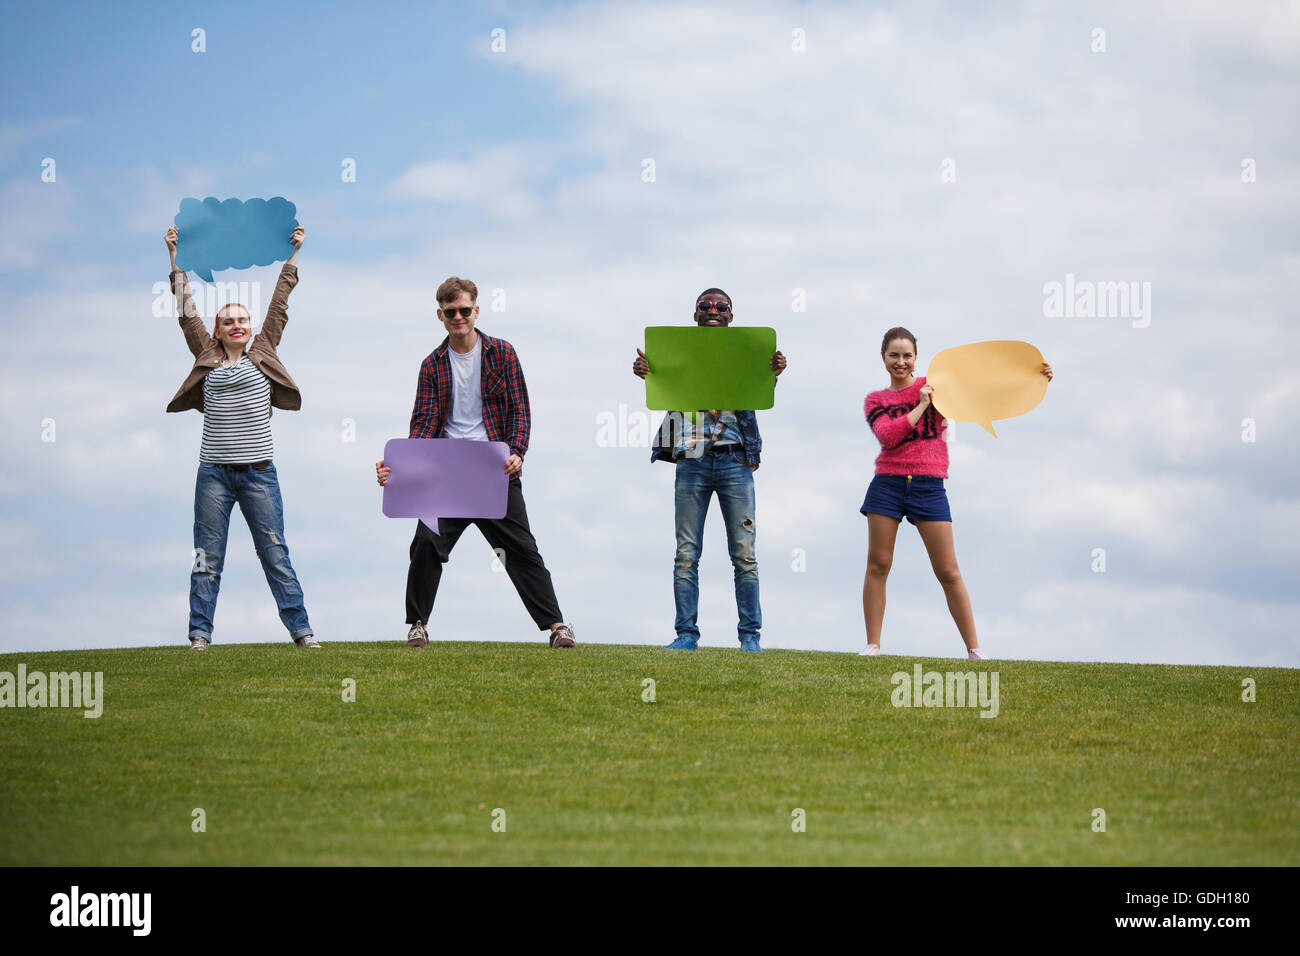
(436, 478)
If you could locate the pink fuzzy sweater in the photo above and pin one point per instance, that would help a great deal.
(906, 450)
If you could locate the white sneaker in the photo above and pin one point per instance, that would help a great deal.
(307, 641)
(417, 636)
(873, 650)
(198, 643)
(975, 654)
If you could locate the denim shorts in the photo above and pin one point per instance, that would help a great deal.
(914, 497)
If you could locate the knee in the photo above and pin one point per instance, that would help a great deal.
(269, 545)
(208, 561)
(948, 576)
(743, 558)
(429, 555)
(423, 548)
(687, 558)
(878, 567)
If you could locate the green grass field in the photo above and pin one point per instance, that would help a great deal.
(287, 772)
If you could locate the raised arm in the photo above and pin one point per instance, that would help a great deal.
(277, 313)
(196, 336)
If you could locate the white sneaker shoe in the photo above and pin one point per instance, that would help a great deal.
(198, 643)
(975, 654)
(873, 650)
(417, 636)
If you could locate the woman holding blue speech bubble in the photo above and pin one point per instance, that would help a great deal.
(234, 384)
(910, 472)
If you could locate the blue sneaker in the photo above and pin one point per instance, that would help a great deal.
(683, 643)
(750, 644)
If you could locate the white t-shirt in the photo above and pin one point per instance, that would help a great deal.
(466, 418)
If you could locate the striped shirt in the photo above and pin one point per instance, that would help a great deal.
(236, 415)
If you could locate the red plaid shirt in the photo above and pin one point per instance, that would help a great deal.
(505, 395)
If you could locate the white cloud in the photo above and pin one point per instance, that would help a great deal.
(498, 178)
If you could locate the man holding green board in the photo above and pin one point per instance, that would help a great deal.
(716, 450)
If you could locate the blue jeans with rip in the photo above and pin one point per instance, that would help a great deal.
(257, 490)
(729, 476)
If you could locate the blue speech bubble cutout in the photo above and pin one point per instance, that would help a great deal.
(233, 234)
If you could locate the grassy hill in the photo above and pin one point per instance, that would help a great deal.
(287, 772)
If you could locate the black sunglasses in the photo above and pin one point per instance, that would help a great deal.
(714, 305)
(465, 312)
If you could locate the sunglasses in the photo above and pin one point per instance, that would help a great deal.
(713, 305)
(465, 312)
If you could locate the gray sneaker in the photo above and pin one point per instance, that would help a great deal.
(198, 643)
(418, 636)
(308, 640)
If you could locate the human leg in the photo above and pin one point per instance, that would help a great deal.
(692, 489)
(735, 486)
(524, 566)
(213, 499)
(937, 536)
(429, 552)
(258, 493)
(882, 532)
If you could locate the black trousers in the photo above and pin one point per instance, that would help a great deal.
(524, 565)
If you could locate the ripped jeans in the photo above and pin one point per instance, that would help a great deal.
(727, 474)
(257, 490)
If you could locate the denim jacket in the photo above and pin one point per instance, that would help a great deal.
(663, 448)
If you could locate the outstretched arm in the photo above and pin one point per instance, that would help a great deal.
(196, 336)
(277, 313)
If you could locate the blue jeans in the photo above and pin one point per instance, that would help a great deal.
(257, 490)
(727, 474)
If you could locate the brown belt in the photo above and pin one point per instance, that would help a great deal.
(254, 464)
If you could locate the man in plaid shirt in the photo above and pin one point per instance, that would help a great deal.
(472, 387)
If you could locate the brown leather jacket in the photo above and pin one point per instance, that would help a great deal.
(208, 352)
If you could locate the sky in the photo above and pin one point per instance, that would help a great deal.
(936, 166)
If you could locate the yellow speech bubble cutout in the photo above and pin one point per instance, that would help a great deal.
(987, 381)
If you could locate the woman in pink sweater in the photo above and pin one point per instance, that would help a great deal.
(910, 470)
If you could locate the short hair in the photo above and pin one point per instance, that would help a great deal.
(452, 287)
(718, 291)
(897, 332)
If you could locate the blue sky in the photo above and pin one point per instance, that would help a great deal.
(275, 93)
(776, 170)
